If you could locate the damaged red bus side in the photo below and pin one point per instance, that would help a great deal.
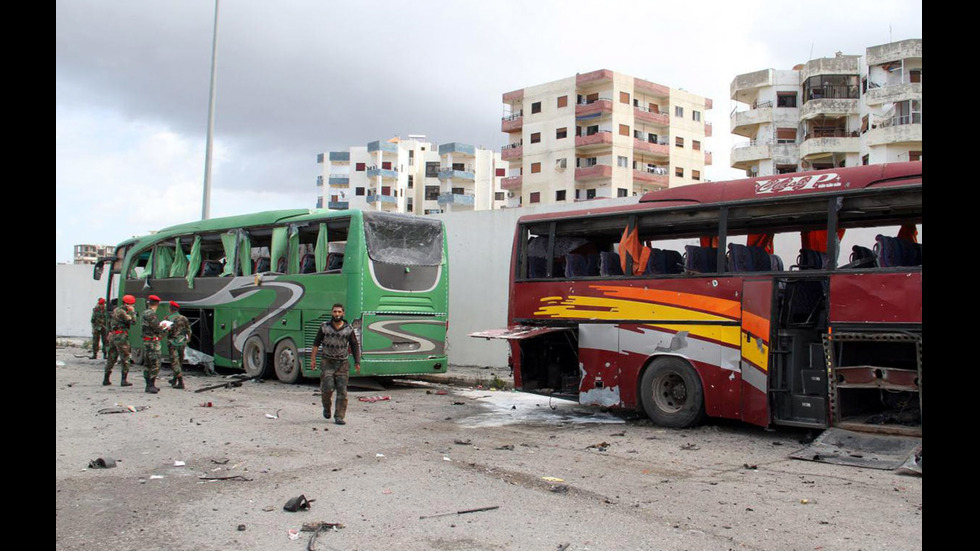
(681, 305)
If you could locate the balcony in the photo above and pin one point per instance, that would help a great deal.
(385, 173)
(597, 172)
(749, 153)
(599, 107)
(340, 156)
(319, 181)
(707, 158)
(602, 76)
(515, 95)
(650, 88)
(338, 205)
(902, 129)
(456, 147)
(386, 147)
(512, 182)
(446, 173)
(653, 148)
(829, 107)
(707, 130)
(375, 198)
(820, 143)
(338, 180)
(512, 152)
(645, 115)
(658, 178)
(603, 137)
(512, 123)
(464, 199)
(893, 51)
(893, 93)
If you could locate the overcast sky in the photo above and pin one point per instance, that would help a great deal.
(300, 77)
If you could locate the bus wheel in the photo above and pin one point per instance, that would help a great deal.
(672, 394)
(286, 361)
(137, 356)
(254, 357)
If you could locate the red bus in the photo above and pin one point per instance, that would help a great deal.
(793, 299)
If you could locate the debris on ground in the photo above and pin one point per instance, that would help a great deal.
(619, 434)
(297, 503)
(373, 399)
(223, 461)
(293, 534)
(206, 404)
(241, 527)
(551, 479)
(317, 528)
(506, 447)
(559, 489)
(563, 546)
(234, 383)
(232, 477)
(271, 416)
(466, 442)
(459, 403)
(463, 512)
(601, 446)
(119, 408)
(179, 464)
(690, 447)
(102, 463)
(750, 467)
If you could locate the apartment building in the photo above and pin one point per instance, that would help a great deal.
(412, 176)
(89, 254)
(831, 112)
(600, 135)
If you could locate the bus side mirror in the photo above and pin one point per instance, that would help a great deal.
(97, 272)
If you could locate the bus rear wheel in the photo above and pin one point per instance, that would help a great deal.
(254, 357)
(287, 362)
(671, 393)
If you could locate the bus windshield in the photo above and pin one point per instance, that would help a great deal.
(403, 239)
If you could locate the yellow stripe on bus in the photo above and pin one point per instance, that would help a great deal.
(720, 306)
(751, 351)
(599, 308)
(723, 334)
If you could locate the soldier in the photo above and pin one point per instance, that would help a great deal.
(178, 336)
(123, 317)
(98, 330)
(339, 341)
(151, 344)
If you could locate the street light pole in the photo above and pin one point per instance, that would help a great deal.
(206, 208)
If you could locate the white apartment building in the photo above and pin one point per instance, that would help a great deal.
(89, 254)
(599, 135)
(412, 176)
(831, 112)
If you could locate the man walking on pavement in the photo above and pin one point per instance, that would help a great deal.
(123, 317)
(177, 336)
(339, 341)
(98, 330)
(151, 344)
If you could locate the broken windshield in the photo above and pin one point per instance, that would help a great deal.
(403, 239)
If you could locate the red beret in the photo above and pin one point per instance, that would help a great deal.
(174, 304)
(129, 299)
(153, 298)
(101, 300)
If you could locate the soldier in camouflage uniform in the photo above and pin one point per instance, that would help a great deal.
(178, 336)
(123, 317)
(151, 344)
(339, 341)
(98, 330)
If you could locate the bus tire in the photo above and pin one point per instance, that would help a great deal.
(672, 394)
(136, 356)
(254, 358)
(287, 362)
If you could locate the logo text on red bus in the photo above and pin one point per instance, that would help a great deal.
(798, 183)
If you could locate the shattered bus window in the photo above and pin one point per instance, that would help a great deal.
(403, 239)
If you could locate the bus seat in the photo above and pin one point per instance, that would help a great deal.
(664, 261)
(609, 264)
(744, 258)
(810, 259)
(536, 266)
(892, 251)
(576, 265)
(594, 263)
(335, 261)
(262, 264)
(775, 263)
(210, 268)
(700, 259)
(861, 257)
(307, 264)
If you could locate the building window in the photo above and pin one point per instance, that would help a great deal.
(696, 175)
(536, 107)
(359, 167)
(785, 99)
(411, 181)
(562, 101)
(432, 169)
(679, 172)
(696, 116)
(560, 195)
(500, 172)
(678, 111)
(620, 192)
(679, 141)
(915, 75)
(535, 196)
(535, 168)
(622, 161)
(561, 133)
(785, 135)
(866, 159)
(785, 169)
(359, 191)
(498, 196)
(431, 193)
(624, 97)
(411, 157)
(695, 145)
(535, 137)
(590, 194)
(914, 155)
(864, 124)
(624, 130)
(587, 161)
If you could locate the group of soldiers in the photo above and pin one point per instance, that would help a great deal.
(115, 339)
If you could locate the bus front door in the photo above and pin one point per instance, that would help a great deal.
(756, 340)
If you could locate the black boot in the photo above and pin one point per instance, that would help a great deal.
(124, 382)
(180, 383)
(151, 388)
(106, 381)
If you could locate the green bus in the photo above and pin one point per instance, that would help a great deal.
(256, 287)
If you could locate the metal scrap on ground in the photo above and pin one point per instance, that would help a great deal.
(463, 512)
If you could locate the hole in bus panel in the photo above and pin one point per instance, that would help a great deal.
(549, 364)
(877, 382)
